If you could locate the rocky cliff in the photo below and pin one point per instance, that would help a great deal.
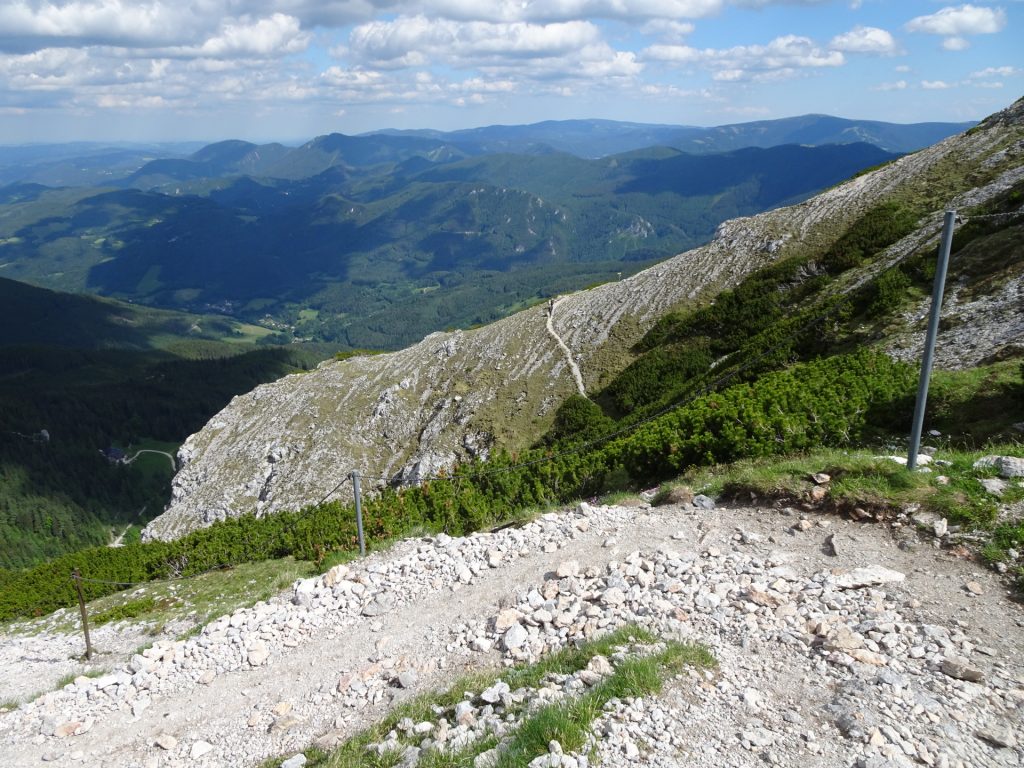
(403, 416)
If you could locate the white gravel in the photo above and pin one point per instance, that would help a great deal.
(875, 656)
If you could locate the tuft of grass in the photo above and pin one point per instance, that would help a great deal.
(568, 721)
(128, 610)
(618, 497)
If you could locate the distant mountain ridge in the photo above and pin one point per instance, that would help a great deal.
(599, 138)
(148, 165)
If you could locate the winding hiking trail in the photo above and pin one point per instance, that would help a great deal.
(174, 463)
(811, 672)
(576, 375)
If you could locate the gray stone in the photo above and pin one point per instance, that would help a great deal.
(379, 605)
(515, 637)
(1006, 466)
(295, 761)
(703, 502)
(613, 596)
(961, 670)
(993, 485)
(166, 741)
(408, 678)
(493, 694)
(199, 749)
(870, 576)
(999, 736)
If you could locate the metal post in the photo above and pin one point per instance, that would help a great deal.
(929, 343)
(359, 512)
(77, 578)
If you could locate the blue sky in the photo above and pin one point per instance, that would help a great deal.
(157, 70)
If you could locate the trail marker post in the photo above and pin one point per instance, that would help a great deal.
(359, 512)
(77, 578)
(929, 344)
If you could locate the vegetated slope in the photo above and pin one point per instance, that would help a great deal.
(406, 415)
(37, 316)
(394, 237)
(81, 375)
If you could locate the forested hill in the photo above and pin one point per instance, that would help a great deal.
(81, 375)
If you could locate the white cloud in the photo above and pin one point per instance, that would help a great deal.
(427, 39)
(557, 10)
(91, 23)
(899, 85)
(628, 10)
(676, 54)
(956, 43)
(935, 85)
(954, 24)
(766, 3)
(902, 68)
(781, 58)
(667, 29)
(567, 50)
(994, 72)
(964, 20)
(277, 35)
(865, 40)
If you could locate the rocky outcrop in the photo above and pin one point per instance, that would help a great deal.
(403, 416)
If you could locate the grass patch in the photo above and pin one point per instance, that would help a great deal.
(863, 479)
(194, 602)
(128, 610)
(70, 677)
(567, 720)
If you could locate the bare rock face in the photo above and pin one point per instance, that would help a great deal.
(404, 416)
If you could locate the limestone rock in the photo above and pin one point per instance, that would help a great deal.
(1006, 466)
(870, 576)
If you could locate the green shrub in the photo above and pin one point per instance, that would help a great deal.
(577, 420)
(876, 230)
(888, 291)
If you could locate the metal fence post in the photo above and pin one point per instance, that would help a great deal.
(77, 578)
(929, 343)
(359, 512)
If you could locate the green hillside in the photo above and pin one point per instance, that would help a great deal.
(781, 363)
(80, 375)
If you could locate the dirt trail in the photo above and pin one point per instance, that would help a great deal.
(286, 704)
(573, 367)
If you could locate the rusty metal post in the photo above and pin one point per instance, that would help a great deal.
(77, 578)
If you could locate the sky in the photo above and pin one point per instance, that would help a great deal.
(289, 70)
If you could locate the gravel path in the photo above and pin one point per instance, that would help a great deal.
(870, 656)
(569, 357)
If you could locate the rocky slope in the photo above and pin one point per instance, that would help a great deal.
(403, 416)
